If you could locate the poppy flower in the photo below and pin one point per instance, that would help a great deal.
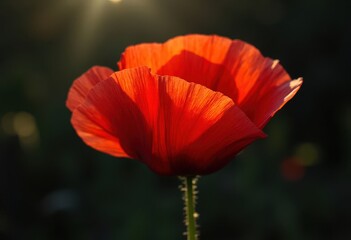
(183, 107)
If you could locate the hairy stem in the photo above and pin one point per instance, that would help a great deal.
(189, 189)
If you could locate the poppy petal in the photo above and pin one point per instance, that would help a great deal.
(111, 114)
(195, 124)
(82, 85)
(161, 120)
(90, 126)
(194, 58)
(272, 101)
(263, 86)
(233, 67)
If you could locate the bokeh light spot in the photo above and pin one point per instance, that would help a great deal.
(292, 170)
(24, 124)
(7, 123)
(307, 154)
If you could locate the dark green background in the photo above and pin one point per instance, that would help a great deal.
(52, 186)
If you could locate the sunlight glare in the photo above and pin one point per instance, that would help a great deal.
(115, 1)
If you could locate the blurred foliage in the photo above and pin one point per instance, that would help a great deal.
(293, 185)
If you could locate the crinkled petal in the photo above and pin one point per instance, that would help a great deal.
(275, 98)
(162, 121)
(202, 129)
(195, 58)
(233, 67)
(263, 86)
(118, 110)
(82, 85)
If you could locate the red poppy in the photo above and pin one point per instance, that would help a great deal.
(184, 107)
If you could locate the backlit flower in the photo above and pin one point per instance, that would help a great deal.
(185, 107)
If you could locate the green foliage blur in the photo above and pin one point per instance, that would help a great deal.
(294, 185)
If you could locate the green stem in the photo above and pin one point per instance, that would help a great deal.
(189, 188)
